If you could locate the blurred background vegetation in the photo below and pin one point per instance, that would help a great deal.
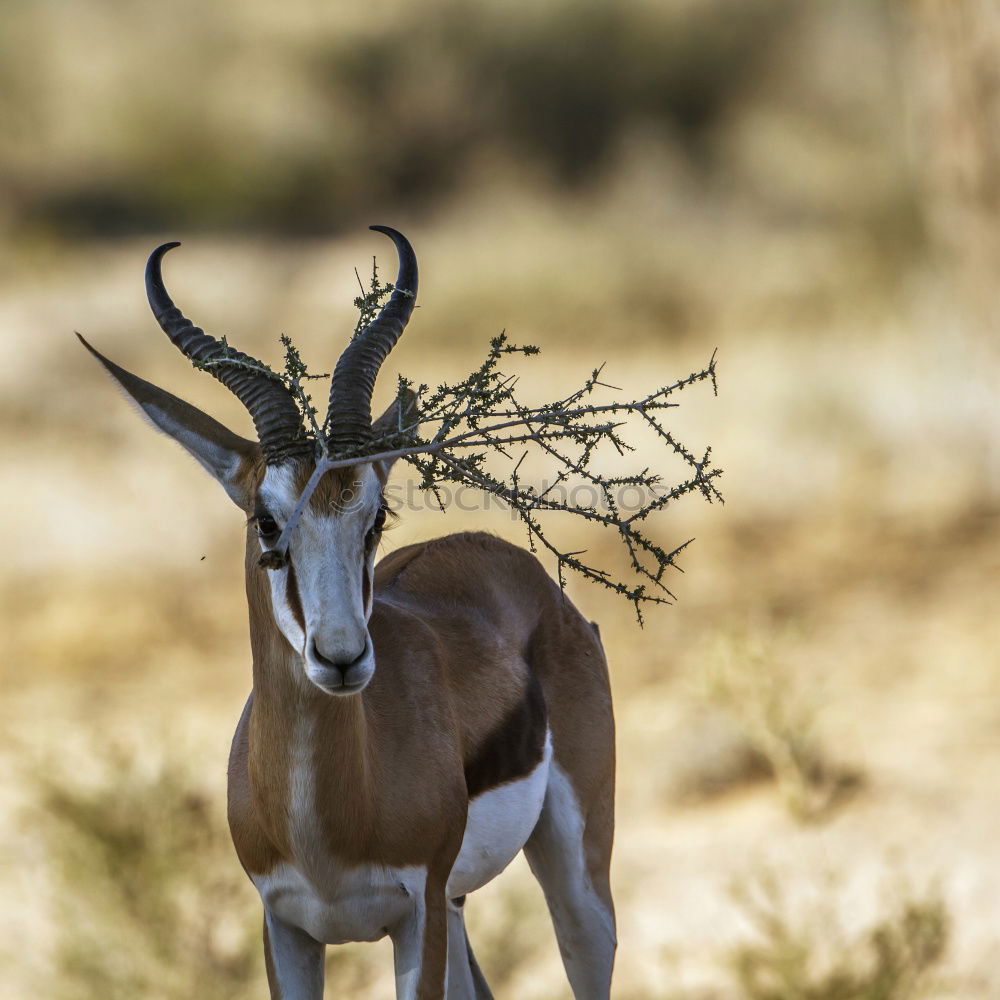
(298, 121)
(808, 740)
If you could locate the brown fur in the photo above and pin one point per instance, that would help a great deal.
(475, 646)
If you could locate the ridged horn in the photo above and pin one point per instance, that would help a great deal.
(271, 406)
(349, 418)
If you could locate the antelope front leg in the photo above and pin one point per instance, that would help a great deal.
(420, 948)
(294, 961)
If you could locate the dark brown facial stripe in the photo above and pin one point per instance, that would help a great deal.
(293, 599)
(515, 748)
(366, 587)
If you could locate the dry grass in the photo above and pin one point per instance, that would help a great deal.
(836, 618)
(818, 958)
(802, 650)
(146, 899)
(775, 712)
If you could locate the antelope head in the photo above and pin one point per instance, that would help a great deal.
(317, 529)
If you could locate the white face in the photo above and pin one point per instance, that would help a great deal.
(322, 597)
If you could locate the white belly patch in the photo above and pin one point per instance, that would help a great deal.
(499, 823)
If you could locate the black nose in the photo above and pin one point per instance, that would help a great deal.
(343, 665)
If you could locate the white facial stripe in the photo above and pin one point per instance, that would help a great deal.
(330, 565)
(277, 491)
(283, 614)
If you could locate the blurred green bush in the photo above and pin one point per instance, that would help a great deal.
(122, 117)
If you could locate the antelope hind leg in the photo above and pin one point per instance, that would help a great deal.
(482, 989)
(578, 895)
(465, 979)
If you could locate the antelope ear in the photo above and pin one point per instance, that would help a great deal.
(401, 414)
(227, 456)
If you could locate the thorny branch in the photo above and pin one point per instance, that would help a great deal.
(454, 428)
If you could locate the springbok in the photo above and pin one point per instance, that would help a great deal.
(412, 725)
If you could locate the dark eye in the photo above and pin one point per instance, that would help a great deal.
(377, 526)
(267, 527)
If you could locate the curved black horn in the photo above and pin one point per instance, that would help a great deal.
(349, 419)
(274, 413)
